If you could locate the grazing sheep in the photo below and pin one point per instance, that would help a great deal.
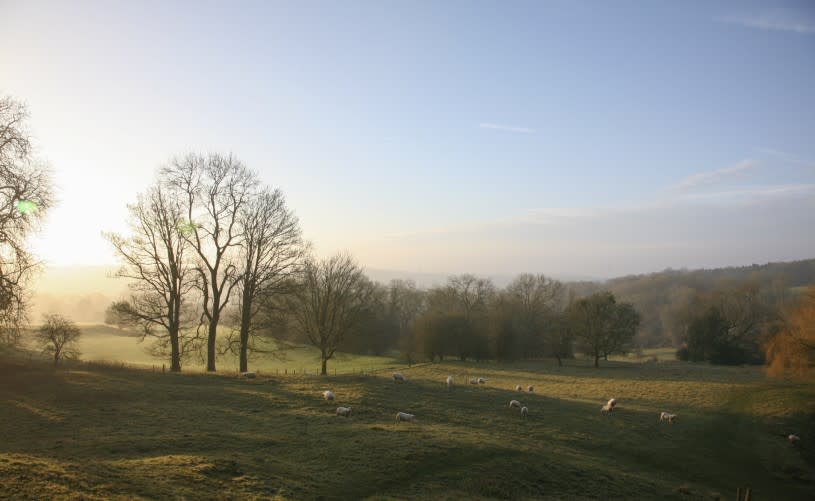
(398, 377)
(404, 416)
(519, 388)
(514, 403)
(612, 402)
(664, 416)
(793, 439)
(481, 380)
(606, 409)
(328, 395)
(249, 375)
(524, 411)
(450, 381)
(473, 381)
(530, 389)
(344, 411)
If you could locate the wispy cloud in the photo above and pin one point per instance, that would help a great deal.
(709, 177)
(752, 194)
(787, 156)
(775, 20)
(506, 128)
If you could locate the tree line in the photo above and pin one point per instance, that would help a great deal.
(211, 246)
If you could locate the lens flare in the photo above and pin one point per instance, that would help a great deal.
(26, 206)
(186, 228)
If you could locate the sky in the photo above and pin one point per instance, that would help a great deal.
(570, 138)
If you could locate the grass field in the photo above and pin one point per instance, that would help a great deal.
(105, 343)
(99, 432)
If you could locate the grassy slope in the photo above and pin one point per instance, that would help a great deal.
(104, 433)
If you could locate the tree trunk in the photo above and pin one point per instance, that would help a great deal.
(56, 358)
(596, 360)
(244, 348)
(244, 335)
(175, 352)
(211, 337)
(323, 370)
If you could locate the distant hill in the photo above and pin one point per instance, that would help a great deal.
(653, 294)
(83, 293)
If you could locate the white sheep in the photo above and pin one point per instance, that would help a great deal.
(344, 411)
(450, 381)
(793, 439)
(249, 375)
(664, 416)
(606, 409)
(530, 389)
(524, 411)
(481, 380)
(612, 402)
(473, 381)
(404, 416)
(328, 395)
(398, 377)
(519, 388)
(514, 403)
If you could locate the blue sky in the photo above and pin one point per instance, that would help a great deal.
(572, 138)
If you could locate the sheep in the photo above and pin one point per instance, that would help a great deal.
(481, 380)
(606, 409)
(450, 381)
(524, 411)
(793, 439)
(664, 416)
(612, 402)
(328, 395)
(249, 375)
(404, 416)
(530, 389)
(519, 388)
(473, 381)
(514, 403)
(398, 377)
(344, 411)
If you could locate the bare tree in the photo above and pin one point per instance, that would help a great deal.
(58, 338)
(405, 303)
(25, 196)
(154, 257)
(272, 253)
(214, 190)
(538, 302)
(471, 293)
(331, 300)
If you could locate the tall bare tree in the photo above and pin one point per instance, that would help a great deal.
(25, 196)
(471, 293)
(539, 302)
(405, 304)
(154, 257)
(272, 252)
(214, 189)
(331, 300)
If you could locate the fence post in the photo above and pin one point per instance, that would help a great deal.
(747, 494)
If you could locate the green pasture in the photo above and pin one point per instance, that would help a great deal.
(91, 431)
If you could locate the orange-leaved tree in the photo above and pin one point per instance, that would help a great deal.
(792, 350)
